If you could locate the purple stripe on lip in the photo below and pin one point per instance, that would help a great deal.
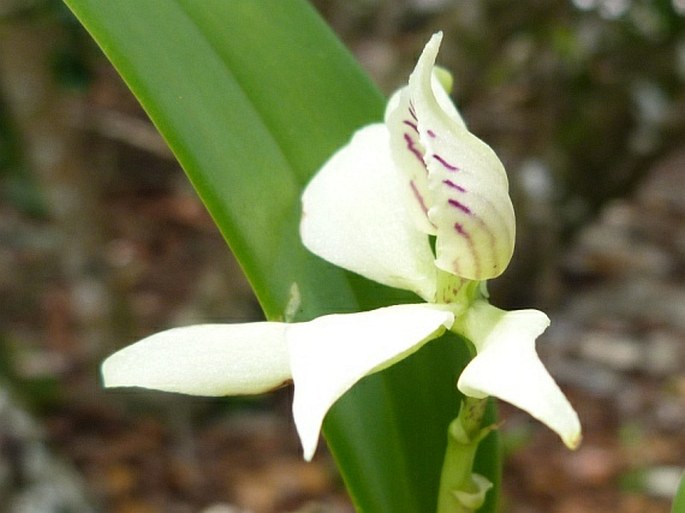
(411, 146)
(459, 228)
(446, 164)
(460, 206)
(412, 125)
(418, 197)
(450, 183)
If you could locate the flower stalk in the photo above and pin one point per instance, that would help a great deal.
(462, 490)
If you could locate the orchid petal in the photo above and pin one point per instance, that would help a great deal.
(205, 359)
(355, 216)
(441, 85)
(467, 184)
(408, 152)
(507, 366)
(331, 353)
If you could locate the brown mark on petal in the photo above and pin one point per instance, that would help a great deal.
(285, 383)
(411, 124)
(418, 197)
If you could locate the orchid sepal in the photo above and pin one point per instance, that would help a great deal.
(508, 367)
(204, 359)
(330, 354)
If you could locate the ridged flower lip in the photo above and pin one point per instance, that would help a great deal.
(458, 186)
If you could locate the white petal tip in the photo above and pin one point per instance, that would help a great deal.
(308, 454)
(574, 440)
(205, 359)
(435, 39)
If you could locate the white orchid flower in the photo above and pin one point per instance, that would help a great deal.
(371, 209)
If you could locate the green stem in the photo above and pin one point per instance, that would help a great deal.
(462, 491)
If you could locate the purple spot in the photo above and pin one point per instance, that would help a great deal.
(411, 146)
(450, 183)
(446, 164)
(430, 133)
(411, 124)
(460, 206)
(460, 230)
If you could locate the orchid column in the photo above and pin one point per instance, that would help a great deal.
(418, 203)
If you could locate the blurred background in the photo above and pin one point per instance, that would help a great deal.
(102, 241)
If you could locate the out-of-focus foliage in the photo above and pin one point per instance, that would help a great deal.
(67, 66)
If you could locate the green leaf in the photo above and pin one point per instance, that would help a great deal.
(679, 500)
(252, 97)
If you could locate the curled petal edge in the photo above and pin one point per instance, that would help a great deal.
(507, 366)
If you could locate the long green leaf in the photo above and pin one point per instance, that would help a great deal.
(252, 97)
(679, 499)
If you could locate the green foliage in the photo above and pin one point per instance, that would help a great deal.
(679, 500)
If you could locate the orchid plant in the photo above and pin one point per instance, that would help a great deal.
(417, 203)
